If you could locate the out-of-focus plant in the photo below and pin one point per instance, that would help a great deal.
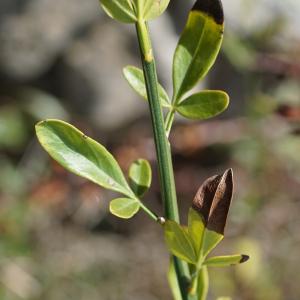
(195, 54)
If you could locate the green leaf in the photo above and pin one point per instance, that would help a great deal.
(224, 298)
(151, 9)
(204, 240)
(203, 105)
(225, 261)
(173, 281)
(196, 229)
(121, 10)
(81, 155)
(124, 208)
(179, 243)
(210, 240)
(198, 46)
(140, 176)
(136, 80)
(130, 11)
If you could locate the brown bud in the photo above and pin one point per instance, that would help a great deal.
(213, 199)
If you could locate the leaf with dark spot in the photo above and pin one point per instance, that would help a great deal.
(225, 261)
(198, 46)
(213, 8)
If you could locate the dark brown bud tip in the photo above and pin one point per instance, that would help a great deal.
(244, 258)
(213, 8)
(221, 203)
(205, 196)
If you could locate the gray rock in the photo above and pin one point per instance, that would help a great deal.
(31, 40)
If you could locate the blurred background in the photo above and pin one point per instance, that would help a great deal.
(63, 59)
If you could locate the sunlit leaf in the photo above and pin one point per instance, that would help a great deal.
(140, 176)
(136, 80)
(196, 229)
(225, 261)
(121, 10)
(124, 207)
(198, 46)
(81, 155)
(151, 9)
(203, 105)
(210, 240)
(204, 239)
(179, 242)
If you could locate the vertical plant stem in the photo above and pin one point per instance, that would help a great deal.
(203, 283)
(163, 151)
(194, 281)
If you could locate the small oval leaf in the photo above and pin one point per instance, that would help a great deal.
(124, 208)
(198, 45)
(135, 78)
(121, 10)
(81, 155)
(225, 261)
(179, 242)
(203, 105)
(152, 9)
(140, 176)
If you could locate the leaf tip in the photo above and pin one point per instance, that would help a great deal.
(40, 123)
(126, 68)
(228, 174)
(213, 8)
(244, 258)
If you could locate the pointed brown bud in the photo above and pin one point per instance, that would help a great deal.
(205, 196)
(213, 199)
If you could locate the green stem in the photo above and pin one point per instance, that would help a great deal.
(150, 213)
(203, 283)
(194, 281)
(163, 151)
(171, 115)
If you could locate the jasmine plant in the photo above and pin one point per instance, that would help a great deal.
(196, 52)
